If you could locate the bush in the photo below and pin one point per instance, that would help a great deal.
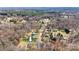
(66, 30)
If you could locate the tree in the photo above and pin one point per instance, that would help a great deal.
(66, 30)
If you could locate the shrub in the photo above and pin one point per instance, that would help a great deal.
(66, 30)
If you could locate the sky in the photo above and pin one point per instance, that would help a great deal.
(39, 3)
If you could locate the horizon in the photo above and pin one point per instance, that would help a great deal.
(38, 10)
(42, 8)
